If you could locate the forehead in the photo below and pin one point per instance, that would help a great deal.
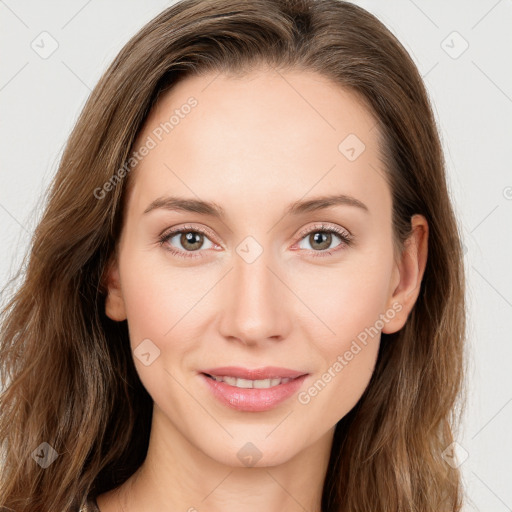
(261, 135)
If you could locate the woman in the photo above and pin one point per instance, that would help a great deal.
(180, 341)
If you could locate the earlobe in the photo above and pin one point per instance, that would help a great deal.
(114, 301)
(411, 269)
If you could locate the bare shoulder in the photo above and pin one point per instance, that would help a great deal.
(106, 502)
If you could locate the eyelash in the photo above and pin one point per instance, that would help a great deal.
(345, 236)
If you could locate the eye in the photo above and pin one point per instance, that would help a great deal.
(190, 239)
(320, 238)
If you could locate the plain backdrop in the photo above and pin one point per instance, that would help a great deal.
(462, 49)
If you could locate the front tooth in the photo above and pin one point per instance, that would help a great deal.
(260, 384)
(230, 380)
(242, 383)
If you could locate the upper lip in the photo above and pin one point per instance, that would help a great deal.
(268, 372)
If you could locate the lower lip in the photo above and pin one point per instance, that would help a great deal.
(253, 399)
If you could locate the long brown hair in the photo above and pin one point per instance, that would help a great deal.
(67, 369)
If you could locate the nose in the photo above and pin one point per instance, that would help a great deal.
(257, 303)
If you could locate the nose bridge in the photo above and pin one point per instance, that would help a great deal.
(256, 309)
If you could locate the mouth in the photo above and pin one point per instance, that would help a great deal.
(253, 390)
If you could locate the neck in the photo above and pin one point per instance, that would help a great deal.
(176, 475)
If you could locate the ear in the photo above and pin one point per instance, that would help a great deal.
(408, 274)
(114, 302)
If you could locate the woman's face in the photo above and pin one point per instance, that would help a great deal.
(257, 278)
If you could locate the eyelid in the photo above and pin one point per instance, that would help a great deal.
(187, 227)
(321, 226)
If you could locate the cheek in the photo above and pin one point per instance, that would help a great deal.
(158, 297)
(160, 303)
(335, 391)
(348, 355)
(350, 302)
(344, 300)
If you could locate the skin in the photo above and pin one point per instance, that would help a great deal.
(254, 145)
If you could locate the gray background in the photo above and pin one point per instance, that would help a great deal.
(40, 99)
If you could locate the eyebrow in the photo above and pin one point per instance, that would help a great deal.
(213, 209)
